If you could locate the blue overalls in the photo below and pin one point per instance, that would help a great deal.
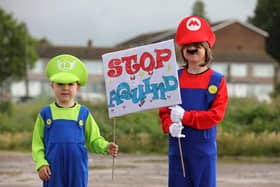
(198, 147)
(65, 149)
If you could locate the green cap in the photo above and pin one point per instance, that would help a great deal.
(66, 69)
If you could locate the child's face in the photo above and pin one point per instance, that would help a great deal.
(65, 92)
(194, 53)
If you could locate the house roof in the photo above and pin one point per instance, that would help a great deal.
(222, 24)
(242, 57)
(89, 52)
(170, 33)
(142, 39)
(220, 56)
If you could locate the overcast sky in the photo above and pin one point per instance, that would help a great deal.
(108, 22)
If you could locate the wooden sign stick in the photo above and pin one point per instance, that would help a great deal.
(114, 140)
(181, 156)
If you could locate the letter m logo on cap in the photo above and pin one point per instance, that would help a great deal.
(193, 24)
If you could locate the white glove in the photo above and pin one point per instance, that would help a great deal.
(176, 113)
(175, 130)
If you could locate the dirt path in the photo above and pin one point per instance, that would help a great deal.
(17, 170)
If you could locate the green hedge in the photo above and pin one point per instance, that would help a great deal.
(249, 128)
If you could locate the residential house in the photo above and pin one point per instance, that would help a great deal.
(239, 53)
(39, 85)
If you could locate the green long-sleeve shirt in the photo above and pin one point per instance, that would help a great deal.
(94, 141)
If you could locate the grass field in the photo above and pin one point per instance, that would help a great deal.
(248, 129)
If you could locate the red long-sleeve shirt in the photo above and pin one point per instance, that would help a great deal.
(194, 118)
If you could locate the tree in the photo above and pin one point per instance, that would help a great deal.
(267, 17)
(17, 49)
(198, 10)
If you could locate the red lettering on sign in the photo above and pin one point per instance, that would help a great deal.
(147, 62)
(131, 69)
(144, 60)
(162, 55)
(115, 69)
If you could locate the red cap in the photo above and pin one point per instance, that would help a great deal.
(194, 29)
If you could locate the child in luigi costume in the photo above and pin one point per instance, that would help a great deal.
(204, 99)
(65, 128)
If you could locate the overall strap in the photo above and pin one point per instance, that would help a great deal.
(180, 72)
(83, 114)
(213, 86)
(46, 114)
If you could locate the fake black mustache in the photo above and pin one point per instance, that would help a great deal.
(192, 51)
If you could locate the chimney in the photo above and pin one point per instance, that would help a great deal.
(89, 43)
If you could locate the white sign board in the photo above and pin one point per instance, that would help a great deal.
(141, 78)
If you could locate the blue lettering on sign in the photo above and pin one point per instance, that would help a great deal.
(138, 94)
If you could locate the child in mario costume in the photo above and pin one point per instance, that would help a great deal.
(204, 99)
(64, 127)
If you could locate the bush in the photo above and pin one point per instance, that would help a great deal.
(245, 116)
(137, 132)
(248, 129)
(250, 144)
(5, 107)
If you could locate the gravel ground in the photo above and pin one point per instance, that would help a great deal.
(17, 170)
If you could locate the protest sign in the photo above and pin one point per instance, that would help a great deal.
(141, 78)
